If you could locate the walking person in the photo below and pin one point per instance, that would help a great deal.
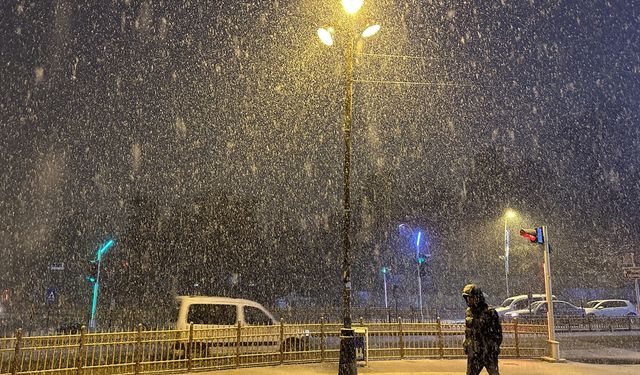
(483, 333)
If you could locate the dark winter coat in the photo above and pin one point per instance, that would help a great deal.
(483, 332)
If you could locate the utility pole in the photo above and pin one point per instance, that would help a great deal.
(96, 282)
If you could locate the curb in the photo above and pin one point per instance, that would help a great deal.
(606, 360)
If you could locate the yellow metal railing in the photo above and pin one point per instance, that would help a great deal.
(139, 351)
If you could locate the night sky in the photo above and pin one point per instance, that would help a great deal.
(461, 109)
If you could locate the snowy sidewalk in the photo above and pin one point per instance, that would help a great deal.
(441, 367)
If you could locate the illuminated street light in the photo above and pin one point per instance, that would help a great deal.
(509, 214)
(406, 230)
(347, 362)
(96, 281)
(352, 6)
(370, 31)
(325, 36)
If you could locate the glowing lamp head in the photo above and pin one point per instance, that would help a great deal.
(325, 36)
(370, 31)
(352, 6)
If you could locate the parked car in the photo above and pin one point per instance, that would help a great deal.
(539, 309)
(519, 302)
(610, 307)
(215, 320)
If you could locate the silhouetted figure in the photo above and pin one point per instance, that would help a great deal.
(483, 333)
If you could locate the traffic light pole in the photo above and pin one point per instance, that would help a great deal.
(94, 299)
(554, 347)
(96, 282)
(419, 291)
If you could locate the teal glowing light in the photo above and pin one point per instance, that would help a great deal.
(96, 281)
(104, 249)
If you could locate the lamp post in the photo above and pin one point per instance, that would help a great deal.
(508, 215)
(406, 230)
(96, 282)
(419, 261)
(347, 363)
(385, 271)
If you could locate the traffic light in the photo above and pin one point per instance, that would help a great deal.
(423, 258)
(92, 271)
(533, 234)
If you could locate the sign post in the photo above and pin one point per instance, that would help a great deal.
(50, 298)
(554, 346)
(540, 235)
(631, 271)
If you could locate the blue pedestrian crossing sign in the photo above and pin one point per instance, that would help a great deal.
(51, 296)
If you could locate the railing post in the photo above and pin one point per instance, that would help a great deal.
(189, 348)
(401, 336)
(238, 343)
(16, 364)
(589, 322)
(137, 350)
(80, 358)
(322, 339)
(629, 322)
(440, 338)
(281, 340)
(515, 336)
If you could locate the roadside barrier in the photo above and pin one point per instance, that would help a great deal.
(589, 323)
(137, 351)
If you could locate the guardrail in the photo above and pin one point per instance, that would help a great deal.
(138, 351)
(589, 323)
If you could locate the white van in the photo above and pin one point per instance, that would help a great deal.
(209, 312)
(215, 324)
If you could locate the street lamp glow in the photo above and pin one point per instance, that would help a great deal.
(510, 214)
(370, 31)
(325, 37)
(352, 6)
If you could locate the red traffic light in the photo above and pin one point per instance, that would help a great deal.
(533, 234)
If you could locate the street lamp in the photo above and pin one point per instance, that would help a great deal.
(406, 230)
(347, 363)
(385, 270)
(96, 281)
(509, 214)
